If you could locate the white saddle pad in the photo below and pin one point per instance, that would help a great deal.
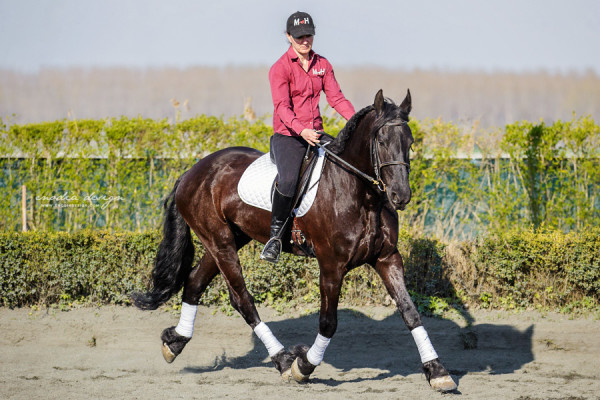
(256, 182)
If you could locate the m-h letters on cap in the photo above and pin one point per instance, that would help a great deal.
(304, 21)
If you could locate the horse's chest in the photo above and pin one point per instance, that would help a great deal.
(368, 236)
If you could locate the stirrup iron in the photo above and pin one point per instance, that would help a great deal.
(268, 257)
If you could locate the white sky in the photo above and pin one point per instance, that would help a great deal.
(489, 35)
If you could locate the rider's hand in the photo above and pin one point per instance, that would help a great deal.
(311, 136)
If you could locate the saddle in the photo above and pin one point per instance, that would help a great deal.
(257, 182)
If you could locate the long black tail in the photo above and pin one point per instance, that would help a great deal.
(174, 259)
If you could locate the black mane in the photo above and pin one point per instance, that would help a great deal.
(391, 111)
(338, 145)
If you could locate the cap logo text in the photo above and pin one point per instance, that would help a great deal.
(297, 21)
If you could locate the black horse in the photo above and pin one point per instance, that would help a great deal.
(352, 222)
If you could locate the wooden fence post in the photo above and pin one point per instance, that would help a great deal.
(24, 207)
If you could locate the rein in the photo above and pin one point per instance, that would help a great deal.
(377, 164)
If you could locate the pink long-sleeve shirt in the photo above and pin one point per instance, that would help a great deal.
(296, 93)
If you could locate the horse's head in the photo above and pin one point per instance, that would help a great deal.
(391, 143)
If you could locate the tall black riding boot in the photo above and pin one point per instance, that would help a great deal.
(282, 209)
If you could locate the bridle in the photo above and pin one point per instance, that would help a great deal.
(377, 164)
(375, 158)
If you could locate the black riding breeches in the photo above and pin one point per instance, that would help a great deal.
(287, 153)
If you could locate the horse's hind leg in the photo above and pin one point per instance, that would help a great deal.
(241, 299)
(176, 337)
(391, 271)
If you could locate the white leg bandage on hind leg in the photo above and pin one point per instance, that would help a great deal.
(317, 351)
(269, 340)
(426, 350)
(185, 327)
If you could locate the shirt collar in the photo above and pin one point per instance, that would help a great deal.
(294, 57)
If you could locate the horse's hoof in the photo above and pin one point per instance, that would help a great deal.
(443, 384)
(173, 344)
(286, 375)
(296, 374)
(283, 362)
(303, 366)
(168, 354)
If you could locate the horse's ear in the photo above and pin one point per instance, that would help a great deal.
(406, 105)
(379, 102)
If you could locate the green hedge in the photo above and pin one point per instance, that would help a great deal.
(46, 268)
(112, 174)
(109, 174)
(467, 182)
(544, 269)
(548, 270)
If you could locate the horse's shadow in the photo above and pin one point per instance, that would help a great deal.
(385, 345)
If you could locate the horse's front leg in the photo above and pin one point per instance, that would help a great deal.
(307, 359)
(391, 270)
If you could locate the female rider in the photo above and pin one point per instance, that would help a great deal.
(297, 79)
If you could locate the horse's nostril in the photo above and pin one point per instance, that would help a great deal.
(395, 198)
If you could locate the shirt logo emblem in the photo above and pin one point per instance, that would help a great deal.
(318, 71)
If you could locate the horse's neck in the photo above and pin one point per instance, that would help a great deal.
(357, 153)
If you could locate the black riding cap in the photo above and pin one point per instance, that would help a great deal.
(300, 24)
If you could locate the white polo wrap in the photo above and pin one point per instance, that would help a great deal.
(424, 345)
(317, 351)
(185, 327)
(269, 340)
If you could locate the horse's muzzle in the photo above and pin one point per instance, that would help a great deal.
(399, 200)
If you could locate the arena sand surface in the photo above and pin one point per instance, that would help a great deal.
(114, 353)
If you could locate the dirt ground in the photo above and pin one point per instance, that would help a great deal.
(114, 353)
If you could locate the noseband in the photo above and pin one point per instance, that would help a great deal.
(375, 159)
